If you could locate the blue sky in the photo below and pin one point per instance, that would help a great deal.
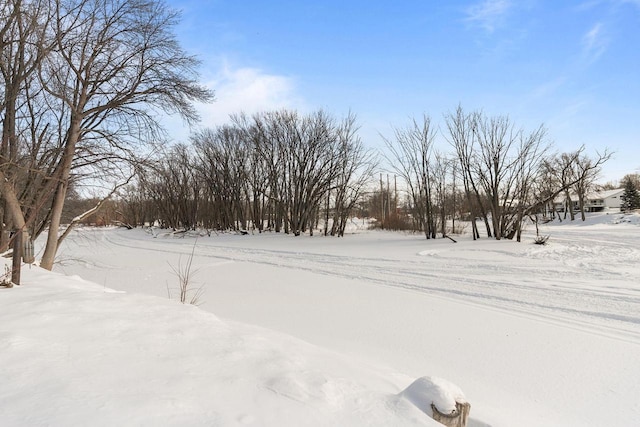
(573, 66)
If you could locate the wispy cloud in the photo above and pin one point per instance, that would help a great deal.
(249, 90)
(488, 14)
(592, 4)
(594, 42)
(243, 89)
(549, 88)
(633, 2)
(589, 4)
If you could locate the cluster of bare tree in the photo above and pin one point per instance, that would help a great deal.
(425, 172)
(507, 175)
(278, 170)
(576, 174)
(288, 172)
(83, 83)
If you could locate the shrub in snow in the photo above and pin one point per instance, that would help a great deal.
(184, 273)
(5, 279)
(541, 240)
(440, 399)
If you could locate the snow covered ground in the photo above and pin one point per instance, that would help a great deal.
(534, 335)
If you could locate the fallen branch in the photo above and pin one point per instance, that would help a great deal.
(450, 238)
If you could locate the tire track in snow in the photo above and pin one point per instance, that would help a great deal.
(454, 278)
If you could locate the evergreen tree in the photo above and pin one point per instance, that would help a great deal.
(630, 197)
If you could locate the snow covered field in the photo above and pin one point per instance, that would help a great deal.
(533, 335)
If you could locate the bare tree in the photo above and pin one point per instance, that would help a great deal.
(586, 173)
(114, 63)
(565, 170)
(223, 157)
(494, 169)
(532, 152)
(441, 173)
(24, 42)
(498, 163)
(133, 206)
(300, 153)
(354, 168)
(411, 158)
(87, 77)
(175, 188)
(461, 136)
(558, 168)
(257, 182)
(574, 171)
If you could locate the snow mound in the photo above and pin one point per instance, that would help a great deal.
(599, 219)
(426, 391)
(626, 218)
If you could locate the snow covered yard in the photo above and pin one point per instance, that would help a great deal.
(77, 354)
(534, 335)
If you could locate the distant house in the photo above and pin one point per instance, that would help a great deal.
(596, 201)
(607, 199)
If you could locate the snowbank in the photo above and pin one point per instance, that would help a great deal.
(76, 354)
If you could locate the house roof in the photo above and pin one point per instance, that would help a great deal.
(594, 195)
(605, 193)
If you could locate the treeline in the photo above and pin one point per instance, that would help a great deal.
(279, 171)
(283, 171)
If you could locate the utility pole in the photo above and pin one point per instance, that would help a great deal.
(382, 200)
